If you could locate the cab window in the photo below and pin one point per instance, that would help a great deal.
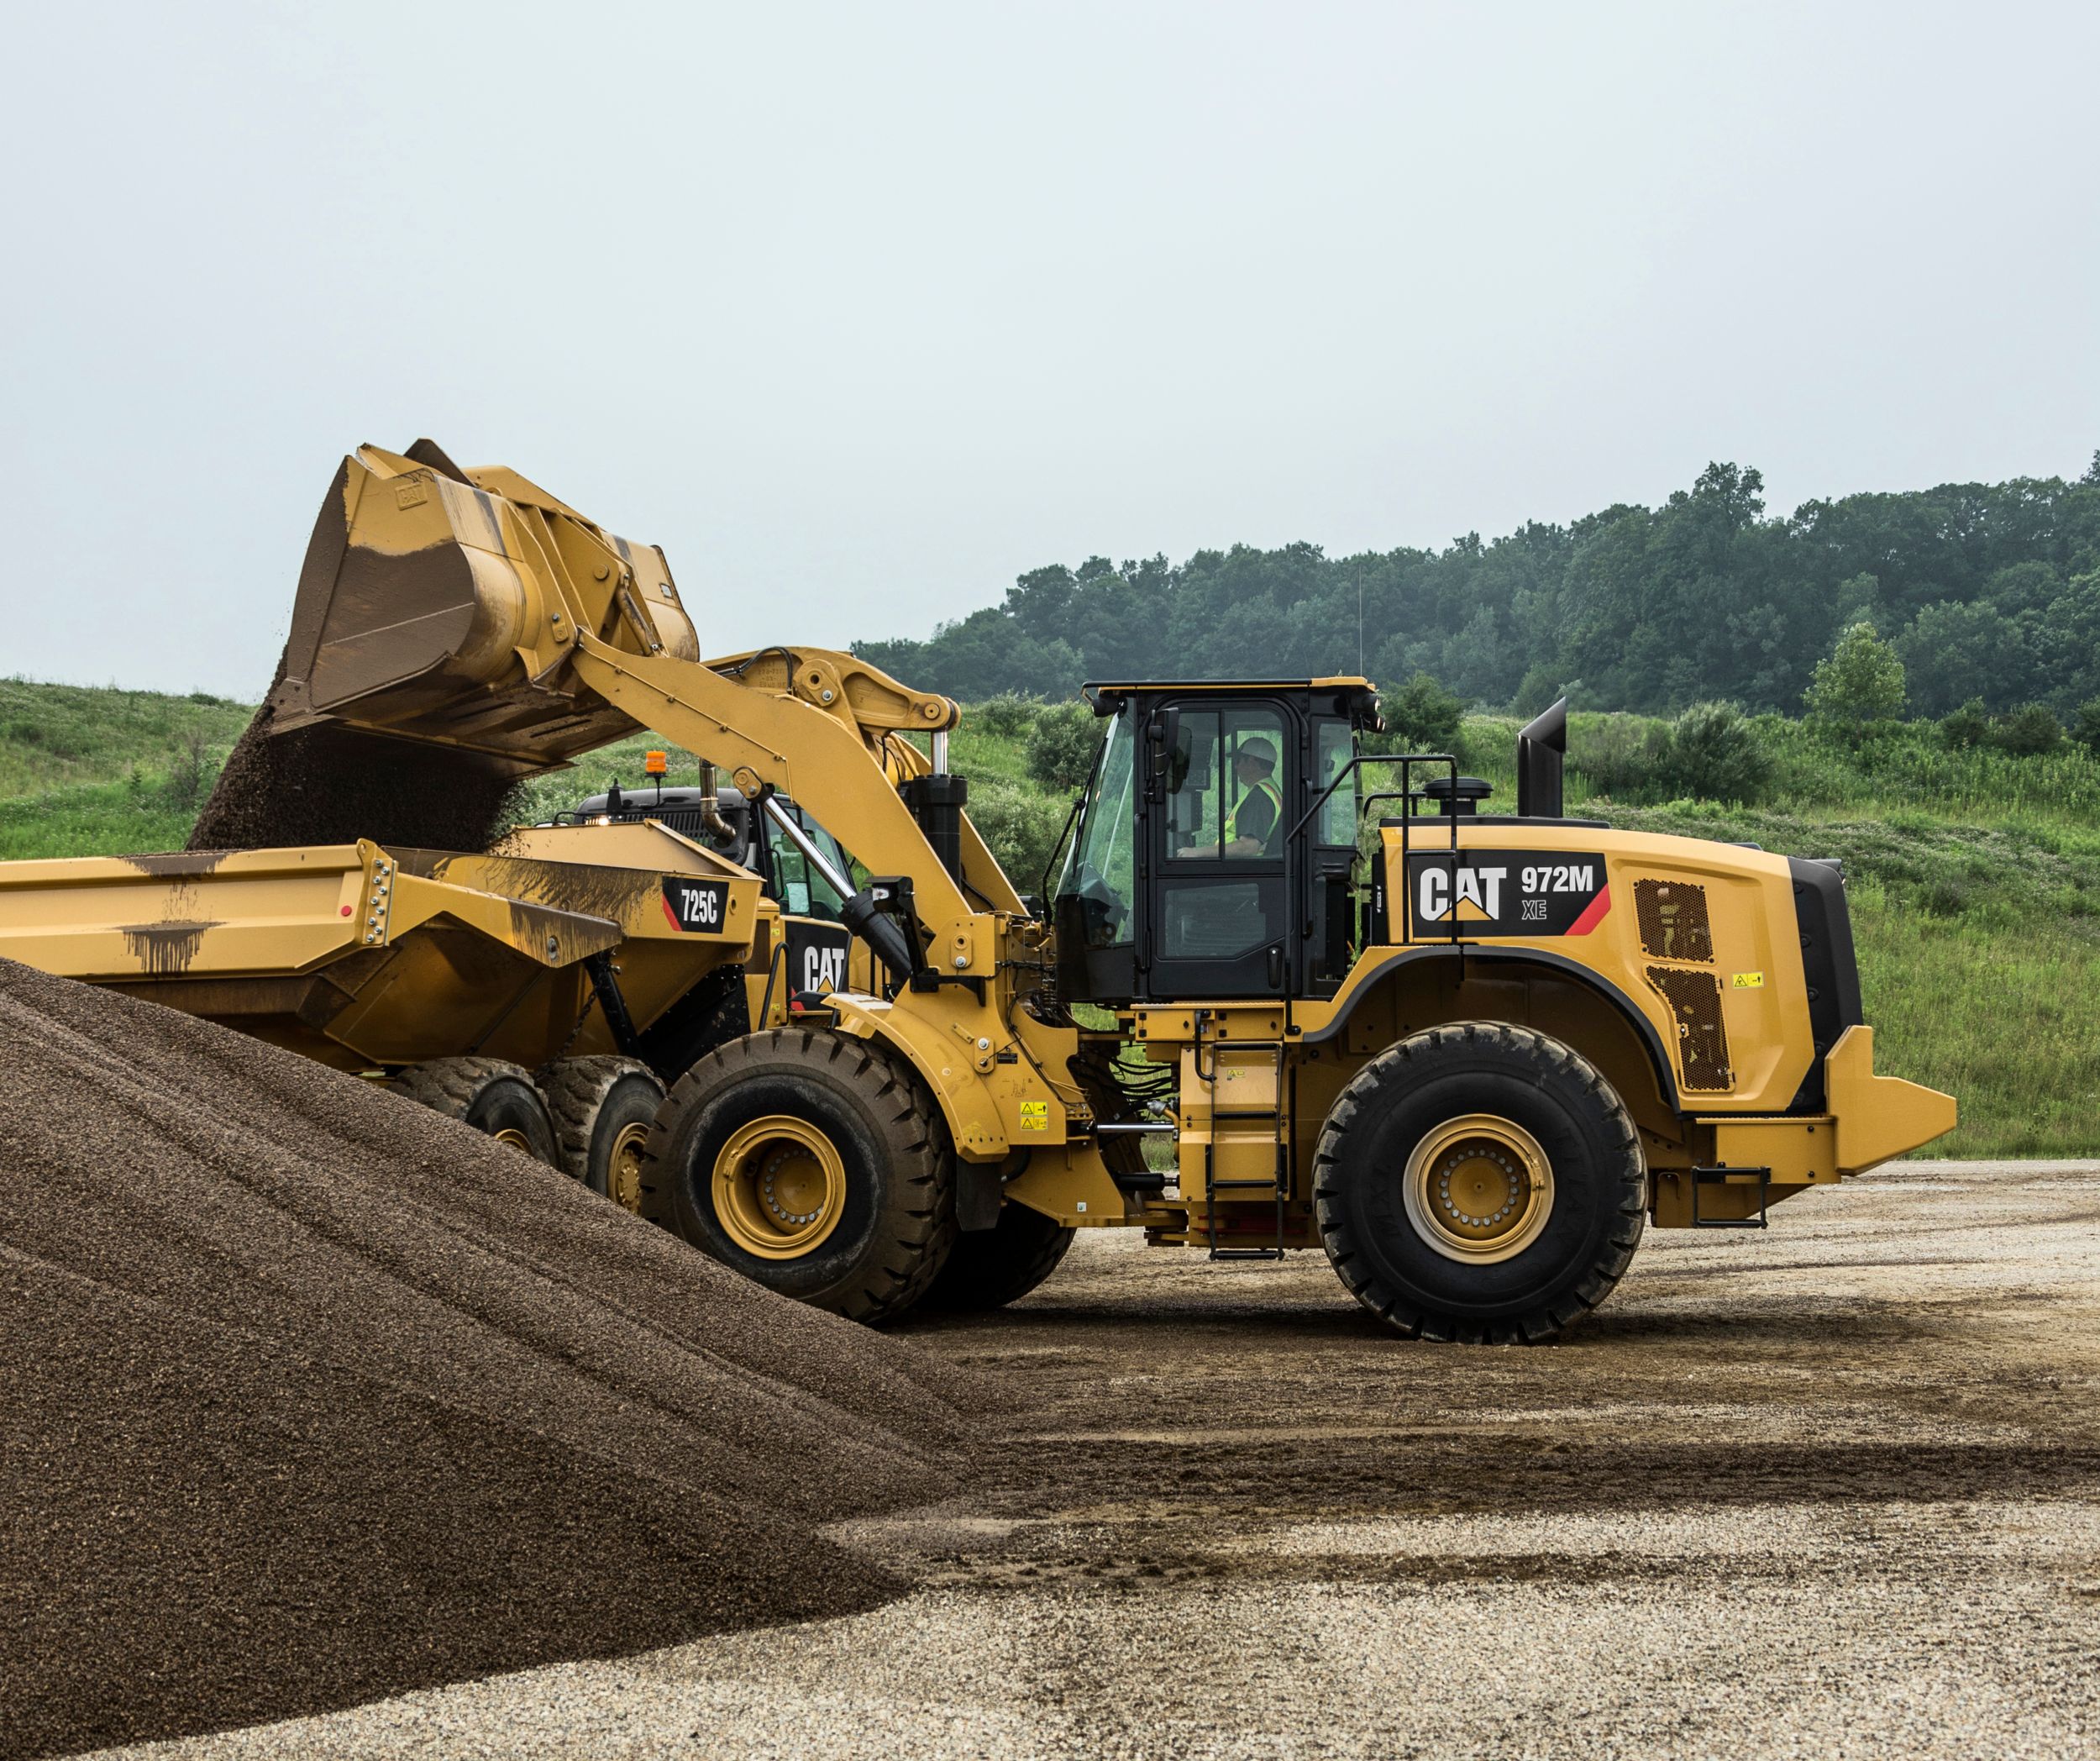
(1226, 799)
(1335, 747)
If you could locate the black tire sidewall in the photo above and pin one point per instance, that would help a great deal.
(1573, 1127)
(631, 1099)
(805, 1094)
(990, 1268)
(511, 1103)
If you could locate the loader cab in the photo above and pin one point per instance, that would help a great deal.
(1199, 869)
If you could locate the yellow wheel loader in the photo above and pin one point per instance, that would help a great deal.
(1472, 1085)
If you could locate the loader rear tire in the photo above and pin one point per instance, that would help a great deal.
(815, 1163)
(603, 1109)
(492, 1096)
(1479, 1182)
(993, 1267)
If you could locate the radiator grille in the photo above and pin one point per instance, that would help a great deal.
(1695, 999)
(1673, 920)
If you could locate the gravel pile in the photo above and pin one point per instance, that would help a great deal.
(309, 1396)
(328, 784)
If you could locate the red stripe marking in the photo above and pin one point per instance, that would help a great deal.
(1593, 912)
(669, 913)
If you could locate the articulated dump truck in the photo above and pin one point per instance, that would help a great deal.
(1471, 1055)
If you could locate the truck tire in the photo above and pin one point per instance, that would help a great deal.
(1479, 1182)
(814, 1163)
(603, 1109)
(994, 1267)
(492, 1096)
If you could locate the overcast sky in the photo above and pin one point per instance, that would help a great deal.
(861, 311)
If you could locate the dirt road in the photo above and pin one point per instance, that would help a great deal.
(1830, 1490)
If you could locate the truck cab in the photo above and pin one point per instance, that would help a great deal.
(817, 953)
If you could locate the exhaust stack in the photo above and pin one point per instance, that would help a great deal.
(1541, 749)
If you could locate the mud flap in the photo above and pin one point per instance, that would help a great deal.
(978, 1196)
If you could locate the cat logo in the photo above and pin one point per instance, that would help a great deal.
(1479, 895)
(823, 970)
(818, 957)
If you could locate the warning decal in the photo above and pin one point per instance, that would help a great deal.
(1505, 893)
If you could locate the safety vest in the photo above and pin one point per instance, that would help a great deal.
(1276, 807)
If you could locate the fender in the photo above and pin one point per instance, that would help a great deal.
(1372, 972)
(944, 1067)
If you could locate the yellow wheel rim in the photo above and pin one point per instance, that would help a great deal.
(1478, 1188)
(623, 1169)
(513, 1139)
(779, 1187)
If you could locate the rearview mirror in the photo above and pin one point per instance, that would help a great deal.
(1162, 734)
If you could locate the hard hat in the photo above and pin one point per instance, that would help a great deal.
(1262, 751)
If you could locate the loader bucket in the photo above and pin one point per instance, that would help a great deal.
(427, 670)
(441, 605)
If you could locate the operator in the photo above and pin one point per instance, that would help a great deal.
(1252, 819)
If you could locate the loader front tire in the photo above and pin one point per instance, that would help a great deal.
(493, 1097)
(1479, 1182)
(603, 1109)
(815, 1163)
(991, 1268)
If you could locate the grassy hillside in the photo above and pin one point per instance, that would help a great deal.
(88, 771)
(1974, 876)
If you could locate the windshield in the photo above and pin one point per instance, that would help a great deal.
(1099, 868)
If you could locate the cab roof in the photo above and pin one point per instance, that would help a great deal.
(1356, 697)
(1122, 686)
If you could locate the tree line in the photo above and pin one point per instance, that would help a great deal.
(1989, 592)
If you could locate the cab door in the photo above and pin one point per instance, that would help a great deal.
(1218, 818)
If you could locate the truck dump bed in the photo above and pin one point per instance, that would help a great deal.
(361, 956)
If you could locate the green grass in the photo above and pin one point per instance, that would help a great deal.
(1999, 1014)
(1974, 877)
(98, 819)
(53, 737)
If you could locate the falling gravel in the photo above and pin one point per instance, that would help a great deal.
(310, 1396)
(329, 784)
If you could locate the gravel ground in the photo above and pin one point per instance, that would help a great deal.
(1829, 1490)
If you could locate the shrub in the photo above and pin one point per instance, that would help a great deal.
(1712, 753)
(1019, 827)
(1422, 717)
(191, 771)
(1621, 756)
(1062, 745)
(1967, 725)
(2028, 732)
(1861, 681)
(2086, 730)
(1009, 715)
